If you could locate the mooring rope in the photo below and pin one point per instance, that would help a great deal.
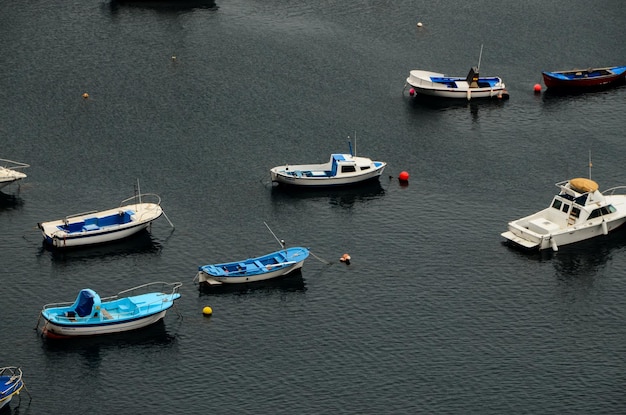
(320, 259)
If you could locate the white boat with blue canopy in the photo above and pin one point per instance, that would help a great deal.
(11, 384)
(578, 212)
(9, 172)
(272, 265)
(133, 215)
(340, 170)
(91, 315)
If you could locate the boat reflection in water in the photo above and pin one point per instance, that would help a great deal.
(164, 5)
(138, 244)
(344, 197)
(91, 348)
(292, 282)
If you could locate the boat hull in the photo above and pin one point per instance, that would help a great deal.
(76, 232)
(204, 278)
(285, 179)
(341, 170)
(56, 330)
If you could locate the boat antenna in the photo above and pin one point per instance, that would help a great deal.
(590, 164)
(480, 57)
(280, 241)
(350, 146)
(138, 191)
(354, 155)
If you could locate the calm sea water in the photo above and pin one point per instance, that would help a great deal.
(198, 100)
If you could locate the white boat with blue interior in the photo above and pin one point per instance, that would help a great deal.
(340, 170)
(94, 227)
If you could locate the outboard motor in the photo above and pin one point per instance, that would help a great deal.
(472, 77)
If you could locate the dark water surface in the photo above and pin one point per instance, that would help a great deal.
(198, 100)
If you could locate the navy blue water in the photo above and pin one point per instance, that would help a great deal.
(199, 101)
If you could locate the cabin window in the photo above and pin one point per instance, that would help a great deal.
(595, 213)
(348, 169)
(575, 212)
(602, 211)
(557, 204)
(365, 168)
(565, 207)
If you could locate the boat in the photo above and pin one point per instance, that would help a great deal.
(9, 172)
(95, 227)
(91, 315)
(439, 85)
(272, 265)
(11, 384)
(340, 170)
(578, 212)
(576, 79)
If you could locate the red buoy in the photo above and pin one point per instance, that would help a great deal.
(404, 176)
(411, 92)
(537, 88)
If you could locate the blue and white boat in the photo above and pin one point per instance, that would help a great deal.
(11, 384)
(340, 170)
(9, 172)
(272, 265)
(91, 315)
(439, 85)
(94, 227)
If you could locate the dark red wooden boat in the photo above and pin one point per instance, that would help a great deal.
(584, 78)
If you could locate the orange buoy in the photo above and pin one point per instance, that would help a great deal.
(537, 88)
(403, 176)
(85, 95)
(345, 258)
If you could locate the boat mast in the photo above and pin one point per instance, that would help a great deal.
(590, 165)
(280, 241)
(480, 57)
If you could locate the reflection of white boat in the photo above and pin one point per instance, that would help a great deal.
(578, 212)
(128, 310)
(11, 384)
(104, 226)
(340, 170)
(9, 173)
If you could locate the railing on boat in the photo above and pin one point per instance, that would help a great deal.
(613, 190)
(15, 165)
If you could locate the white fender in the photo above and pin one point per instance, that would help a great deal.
(605, 228)
(553, 245)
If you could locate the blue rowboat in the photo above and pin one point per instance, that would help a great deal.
(91, 315)
(272, 265)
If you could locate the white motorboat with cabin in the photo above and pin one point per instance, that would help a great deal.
(578, 212)
(340, 170)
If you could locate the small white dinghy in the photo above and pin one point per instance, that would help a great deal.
(95, 227)
(578, 212)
